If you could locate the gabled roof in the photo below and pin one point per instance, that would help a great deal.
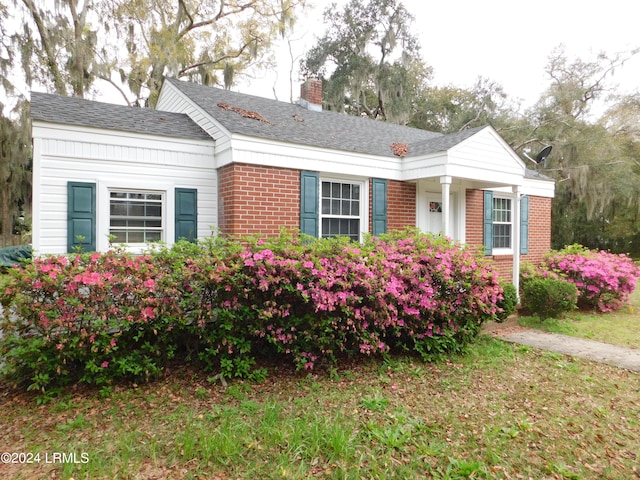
(77, 111)
(441, 143)
(271, 119)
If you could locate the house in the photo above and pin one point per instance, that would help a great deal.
(211, 158)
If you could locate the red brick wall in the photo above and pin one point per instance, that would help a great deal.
(539, 230)
(401, 205)
(257, 200)
(311, 91)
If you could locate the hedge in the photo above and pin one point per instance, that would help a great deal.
(97, 318)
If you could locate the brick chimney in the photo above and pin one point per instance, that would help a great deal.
(311, 94)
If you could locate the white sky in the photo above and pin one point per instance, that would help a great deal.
(503, 40)
(506, 41)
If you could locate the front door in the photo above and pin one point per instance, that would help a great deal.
(433, 209)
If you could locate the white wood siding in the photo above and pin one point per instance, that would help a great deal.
(114, 159)
(485, 157)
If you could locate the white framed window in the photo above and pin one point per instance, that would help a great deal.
(136, 216)
(341, 208)
(502, 225)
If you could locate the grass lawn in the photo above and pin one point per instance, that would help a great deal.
(619, 328)
(501, 411)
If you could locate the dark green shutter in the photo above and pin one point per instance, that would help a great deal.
(524, 225)
(488, 222)
(309, 199)
(186, 214)
(81, 217)
(379, 202)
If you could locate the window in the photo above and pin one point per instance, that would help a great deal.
(502, 223)
(135, 217)
(341, 209)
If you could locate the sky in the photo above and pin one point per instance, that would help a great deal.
(506, 41)
(503, 40)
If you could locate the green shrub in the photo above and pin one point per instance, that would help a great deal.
(508, 303)
(548, 297)
(104, 317)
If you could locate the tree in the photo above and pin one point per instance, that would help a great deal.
(451, 109)
(595, 161)
(15, 174)
(209, 42)
(58, 47)
(369, 60)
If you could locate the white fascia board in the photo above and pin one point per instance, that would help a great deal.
(430, 166)
(267, 152)
(485, 175)
(539, 188)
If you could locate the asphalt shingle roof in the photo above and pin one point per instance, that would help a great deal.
(442, 143)
(77, 111)
(293, 123)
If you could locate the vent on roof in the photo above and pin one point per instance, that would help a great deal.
(311, 94)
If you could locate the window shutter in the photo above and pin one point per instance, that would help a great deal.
(524, 225)
(81, 216)
(379, 202)
(309, 198)
(488, 222)
(186, 214)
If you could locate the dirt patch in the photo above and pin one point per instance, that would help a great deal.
(509, 326)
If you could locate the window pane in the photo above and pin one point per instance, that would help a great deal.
(355, 208)
(335, 190)
(153, 236)
(355, 192)
(326, 189)
(344, 227)
(326, 206)
(120, 236)
(154, 210)
(335, 207)
(502, 236)
(346, 190)
(137, 216)
(346, 207)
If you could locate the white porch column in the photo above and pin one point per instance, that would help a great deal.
(516, 239)
(445, 182)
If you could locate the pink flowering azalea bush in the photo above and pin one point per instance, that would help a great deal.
(222, 305)
(604, 280)
(86, 317)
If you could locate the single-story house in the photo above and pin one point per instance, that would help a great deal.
(208, 158)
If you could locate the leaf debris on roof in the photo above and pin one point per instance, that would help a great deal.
(243, 113)
(400, 149)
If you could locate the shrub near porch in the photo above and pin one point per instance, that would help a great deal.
(604, 280)
(221, 304)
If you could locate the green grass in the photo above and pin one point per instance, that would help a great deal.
(621, 327)
(500, 411)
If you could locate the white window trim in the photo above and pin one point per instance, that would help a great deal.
(104, 214)
(505, 251)
(364, 202)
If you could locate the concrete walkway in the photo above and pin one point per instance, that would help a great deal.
(628, 358)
